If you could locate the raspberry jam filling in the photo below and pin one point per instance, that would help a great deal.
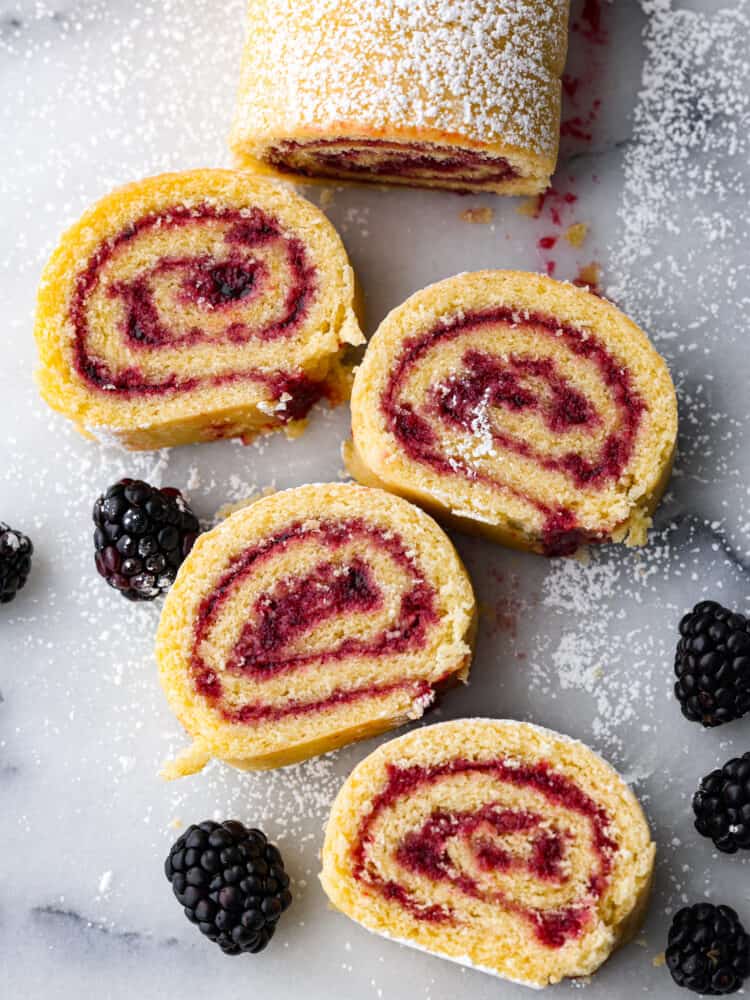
(273, 639)
(491, 835)
(518, 384)
(205, 283)
(285, 614)
(376, 158)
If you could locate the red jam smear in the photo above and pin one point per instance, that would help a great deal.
(284, 615)
(493, 381)
(206, 283)
(415, 160)
(511, 383)
(274, 640)
(425, 851)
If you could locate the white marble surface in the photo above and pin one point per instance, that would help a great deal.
(95, 93)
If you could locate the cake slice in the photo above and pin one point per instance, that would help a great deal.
(195, 306)
(314, 617)
(518, 407)
(499, 845)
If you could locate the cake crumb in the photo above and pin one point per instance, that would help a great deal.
(326, 198)
(658, 960)
(576, 234)
(589, 275)
(530, 207)
(481, 216)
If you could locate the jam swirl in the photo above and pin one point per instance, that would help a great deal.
(221, 283)
(474, 851)
(273, 639)
(471, 401)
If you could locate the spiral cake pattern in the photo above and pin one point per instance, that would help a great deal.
(517, 406)
(496, 844)
(312, 618)
(195, 306)
(464, 96)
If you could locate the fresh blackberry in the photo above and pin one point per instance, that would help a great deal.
(15, 561)
(708, 950)
(231, 882)
(722, 805)
(713, 665)
(142, 536)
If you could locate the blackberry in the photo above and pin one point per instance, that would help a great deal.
(722, 805)
(708, 950)
(231, 882)
(15, 561)
(713, 665)
(142, 536)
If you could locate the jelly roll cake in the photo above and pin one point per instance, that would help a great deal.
(516, 406)
(462, 95)
(314, 617)
(195, 306)
(499, 845)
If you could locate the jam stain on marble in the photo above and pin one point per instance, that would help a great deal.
(301, 605)
(590, 22)
(580, 87)
(214, 284)
(425, 852)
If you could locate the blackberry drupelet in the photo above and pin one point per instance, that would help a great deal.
(231, 882)
(708, 950)
(142, 536)
(722, 805)
(15, 561)
(713, 665)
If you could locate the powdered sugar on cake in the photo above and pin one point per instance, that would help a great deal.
(484, 71)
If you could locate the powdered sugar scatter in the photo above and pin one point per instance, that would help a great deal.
(683, 214)
(98, 92)
(435, 64)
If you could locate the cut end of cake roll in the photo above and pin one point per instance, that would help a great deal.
(518, 407)
(196, 306)
(499, 845)
(463, 97)
(312, 618)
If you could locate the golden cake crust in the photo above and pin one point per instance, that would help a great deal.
(500, 942)
(472, 76)
(215, 409)
(404, 680)
(619, 508)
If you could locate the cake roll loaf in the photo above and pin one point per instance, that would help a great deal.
(462, 95)
(195, 306)
(314, 617)
(499, 845)
(519, 407)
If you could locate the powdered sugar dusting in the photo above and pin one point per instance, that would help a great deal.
(485, 71)
(99, 93)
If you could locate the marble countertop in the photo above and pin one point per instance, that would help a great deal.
(655, 162)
